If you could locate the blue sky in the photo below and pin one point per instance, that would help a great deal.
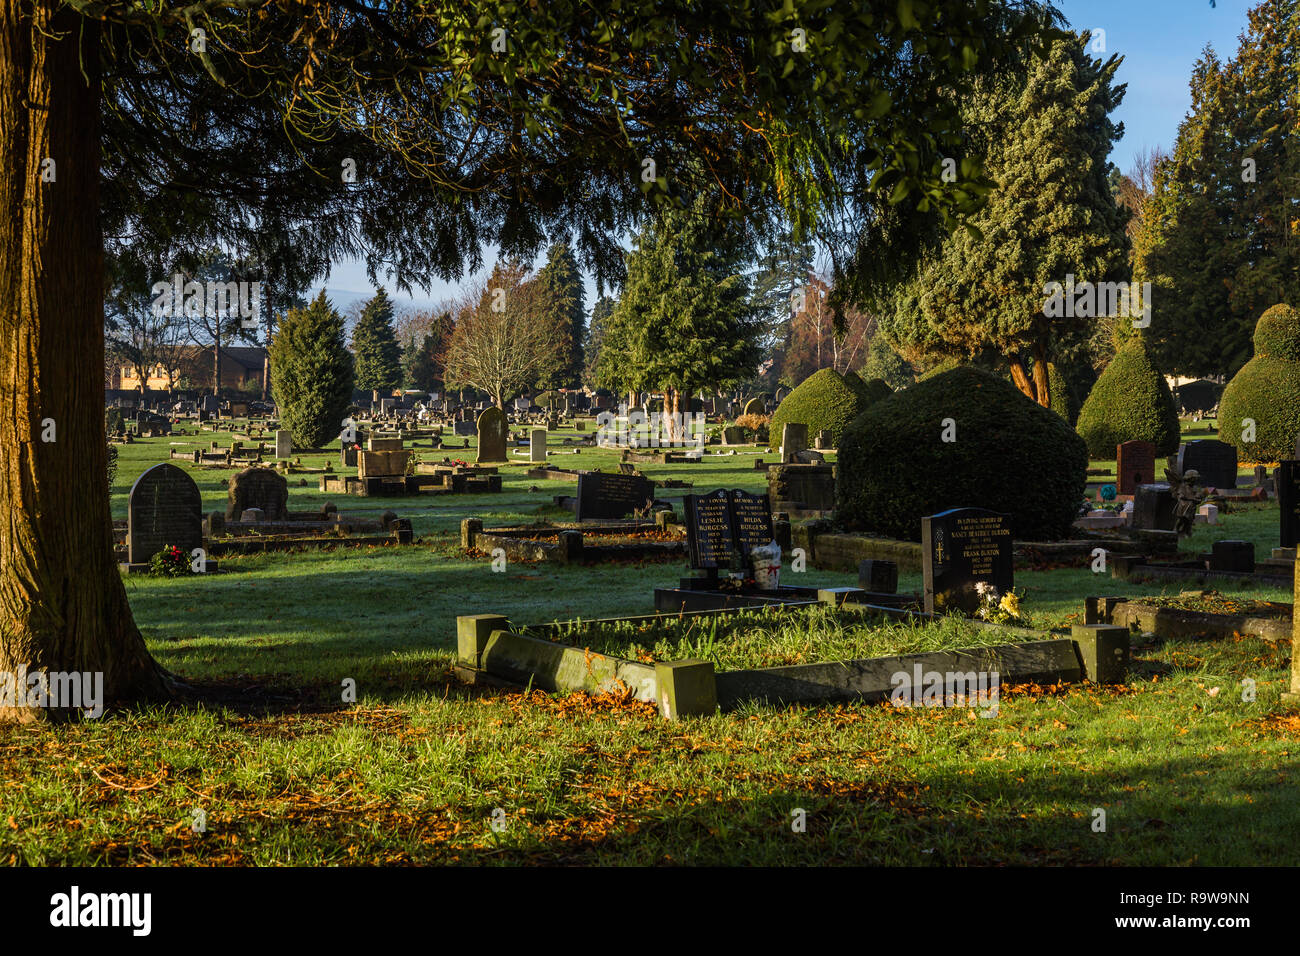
(1160, 40)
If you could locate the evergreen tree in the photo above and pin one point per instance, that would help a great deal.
(782, 276)
(684, 321)
(374, 343)
(313, 373)
(1220, 235)
(595, 337)
(1052, 214)
(562, 308)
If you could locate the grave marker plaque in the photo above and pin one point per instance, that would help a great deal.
(961, 548)
(602, 495)
(537, 445)
(164, 508)
(1135, 464)
(1214, 461)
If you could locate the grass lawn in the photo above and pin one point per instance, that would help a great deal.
(418, 768)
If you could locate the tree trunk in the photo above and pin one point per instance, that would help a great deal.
(1040, 376)
(1021, 378)
(62, 604)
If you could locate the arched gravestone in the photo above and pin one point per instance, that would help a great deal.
(164, 508)
(259, 488)
(492, 433)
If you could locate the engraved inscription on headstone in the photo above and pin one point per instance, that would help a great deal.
(960, 548)
(708, 529)
(752, 521)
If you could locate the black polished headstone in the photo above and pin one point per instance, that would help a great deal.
(1286, 483)
(961, 548)
(752, 521)
(709, 538)
(1153, 508)
(1214, 461)
(164, 508)
(611, 496)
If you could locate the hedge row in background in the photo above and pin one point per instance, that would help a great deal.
(1009, 454)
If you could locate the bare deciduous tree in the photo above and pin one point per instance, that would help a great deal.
(500, 341)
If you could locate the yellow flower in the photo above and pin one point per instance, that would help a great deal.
(1011, 604)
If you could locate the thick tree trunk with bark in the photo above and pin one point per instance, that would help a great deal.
(62, 603)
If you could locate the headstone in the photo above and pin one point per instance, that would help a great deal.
(1153, 508)
(1214, 461)
(723, 528)
(611, 496)
(259, 488)
(1135, 464)
(210, 404)
(752, 521)
(463, 428)
(878, 576)
(709, 535)
(537, 445)
(164, 508)
(1232, 556)
(492, 434)
(283, 444)
(961, 548)
(824, 440)
(794, 439)
(1286, 482)
(384, 444)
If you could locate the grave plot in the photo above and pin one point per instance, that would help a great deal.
(1228, 561)
(696, 663)
(573, 543)
(1195, 614)
(382, 472)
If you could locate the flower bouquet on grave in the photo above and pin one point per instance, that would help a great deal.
(997, 608)
(170, 562)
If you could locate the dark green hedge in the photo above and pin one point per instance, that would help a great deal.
(1267, 390)
(1130, 402)
(824, 400)
(1010, 455)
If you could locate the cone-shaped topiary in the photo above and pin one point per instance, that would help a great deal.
(1266, 391)
(1009, 454)
(824, 400)
(1130, 402)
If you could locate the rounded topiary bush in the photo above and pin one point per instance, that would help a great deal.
(824, 400)
(1010, 455)
(1267, 391)
(1130, 402)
